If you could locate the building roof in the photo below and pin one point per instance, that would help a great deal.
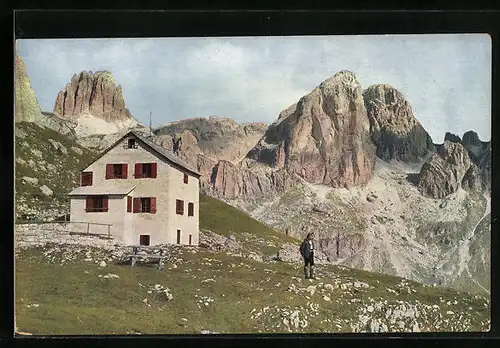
(159, 150)
(169, 156)
(103, 189)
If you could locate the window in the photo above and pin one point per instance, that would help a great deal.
(86, 179)
(186, 178)
(96, 204)
(178, 236)
(145, 170)
(145, 205)
(144, 239)
(116, 171)
(190, 209)
(190, 239)
(129, 204)
(132, 144)
(179, 207)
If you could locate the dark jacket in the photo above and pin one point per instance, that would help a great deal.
(305, 249)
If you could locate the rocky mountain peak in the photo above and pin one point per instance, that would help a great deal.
(452, 138)
(393, 127)
(471, 138)
(94, 94)
(27, 108)
(324, 138)
(343, 78)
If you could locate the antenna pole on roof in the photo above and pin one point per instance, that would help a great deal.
(150, 127)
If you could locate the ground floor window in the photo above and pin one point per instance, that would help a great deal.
(178, 236)
(190, 239)
(144, 239)
(145, 205)
(94, 204)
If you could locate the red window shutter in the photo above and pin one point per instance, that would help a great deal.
(153, 170)
(86, 179)
(137, 205)
(138, 170)
(129, 204)
(89, 204)
(105, 203)
(124, 170)
(109, 171)
(153, 205)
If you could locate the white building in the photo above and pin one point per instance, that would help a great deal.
(147, 193)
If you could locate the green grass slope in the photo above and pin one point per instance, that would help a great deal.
(58, 292)
(226, 220)
(63, 290)
(53, 166)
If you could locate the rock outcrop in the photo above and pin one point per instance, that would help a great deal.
(92, 93)
(452, 138)
(218, 138)
(459, 162)
(27, 108)
(230, 181)
(60, 125)
(324, 138)
(480, 152)
(472, 180)
(393, 128)
(443, 173)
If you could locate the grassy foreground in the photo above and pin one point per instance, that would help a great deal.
(63, 290)
(223, 294)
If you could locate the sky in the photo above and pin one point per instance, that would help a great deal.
(446, 78)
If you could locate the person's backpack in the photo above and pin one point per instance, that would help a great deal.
(303, 248)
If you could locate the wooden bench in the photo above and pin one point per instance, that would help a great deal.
(134, 257)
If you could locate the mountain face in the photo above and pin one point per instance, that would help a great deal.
(457, 163)
(95, 103)
(324, 138)
(218, 138)
(27, 108)
(443, 173)
(394, 130)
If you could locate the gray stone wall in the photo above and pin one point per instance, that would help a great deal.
(27, 235)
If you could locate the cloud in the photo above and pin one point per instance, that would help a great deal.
(446, 78)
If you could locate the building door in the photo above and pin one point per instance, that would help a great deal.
(178, 236)
(144, 239)
(190, 239)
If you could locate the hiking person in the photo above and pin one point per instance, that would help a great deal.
(307, 252)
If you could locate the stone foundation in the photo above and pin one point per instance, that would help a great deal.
(27, 235)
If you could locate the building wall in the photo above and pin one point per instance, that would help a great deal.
(115, 215)
(166, 187)
(189, 193)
